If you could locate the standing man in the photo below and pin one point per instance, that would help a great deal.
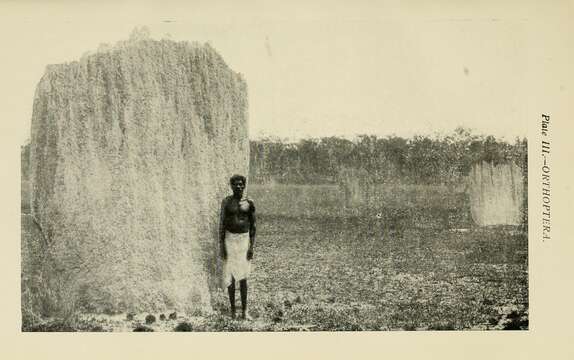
(236, 240)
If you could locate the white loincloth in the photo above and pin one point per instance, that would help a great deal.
(236, 265)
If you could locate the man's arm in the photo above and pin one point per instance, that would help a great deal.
(252, 229)
(222, 250)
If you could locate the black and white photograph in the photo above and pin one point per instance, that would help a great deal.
(327, 167)
(312, 176)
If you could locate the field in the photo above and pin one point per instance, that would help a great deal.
(408, 259)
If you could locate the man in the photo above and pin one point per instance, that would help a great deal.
(236, 240)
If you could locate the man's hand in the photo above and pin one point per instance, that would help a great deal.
(249, 254)
(223, 252)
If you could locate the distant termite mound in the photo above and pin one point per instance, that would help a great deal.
(497, 193)
(355, 185)
(131, 151)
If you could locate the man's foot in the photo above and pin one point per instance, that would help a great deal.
(245, 316)
(233, 316)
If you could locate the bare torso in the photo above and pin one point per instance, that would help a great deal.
(237, 215)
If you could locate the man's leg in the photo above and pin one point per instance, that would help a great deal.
(231, 292)
(243, 290)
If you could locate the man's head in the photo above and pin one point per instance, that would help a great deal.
(237, 183)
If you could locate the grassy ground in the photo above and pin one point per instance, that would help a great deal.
(333, 277)
(405, 264)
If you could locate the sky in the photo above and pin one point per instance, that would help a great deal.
(314, 68)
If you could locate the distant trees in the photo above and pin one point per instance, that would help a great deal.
(442, 159)
(392, 159)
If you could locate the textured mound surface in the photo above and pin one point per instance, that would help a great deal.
(354, 183)
(496, 194)
(131, 151)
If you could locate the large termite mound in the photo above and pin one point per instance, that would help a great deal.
(497, 193)
(131, 151)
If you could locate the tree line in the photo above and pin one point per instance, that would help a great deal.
(429, 160)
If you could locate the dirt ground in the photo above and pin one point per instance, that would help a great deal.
(312, 274)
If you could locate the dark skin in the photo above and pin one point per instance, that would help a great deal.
(238, 217)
